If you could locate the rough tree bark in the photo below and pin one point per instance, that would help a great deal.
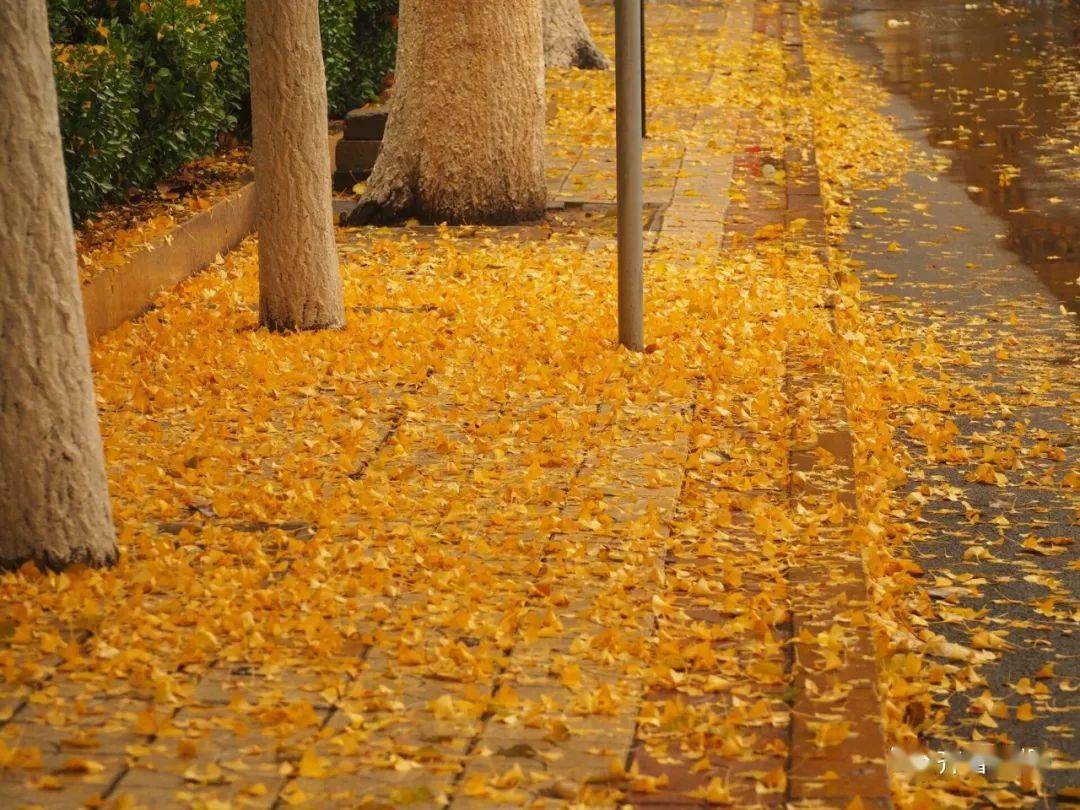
(299, 278)
(464, 141)
(567, 41)
(54, 498)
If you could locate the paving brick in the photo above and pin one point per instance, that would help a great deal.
(384, 716)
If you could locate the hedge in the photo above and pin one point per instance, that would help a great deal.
(98, 118)
(146, 86)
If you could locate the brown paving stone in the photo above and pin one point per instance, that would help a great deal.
(683, 783)
(253, 794)
(20, 793)
(625, 475)
(834, 579)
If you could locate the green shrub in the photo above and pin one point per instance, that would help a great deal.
(177, 49)
(183, 66)
(232, 73)
(359, 39)
(337, 25)
(376, 46)
(72, 21)
(95, 87)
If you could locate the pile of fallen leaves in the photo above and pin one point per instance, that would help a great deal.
(352, 552)
(459, 507)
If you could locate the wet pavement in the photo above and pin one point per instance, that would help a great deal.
(997, 88)
(977, 246)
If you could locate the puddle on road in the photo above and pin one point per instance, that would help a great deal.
(998, 86)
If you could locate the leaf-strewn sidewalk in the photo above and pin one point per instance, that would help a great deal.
(467, 551)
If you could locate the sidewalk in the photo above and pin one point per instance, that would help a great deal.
(466, 552)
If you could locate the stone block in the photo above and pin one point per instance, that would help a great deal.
(356, 155)
(366, 124)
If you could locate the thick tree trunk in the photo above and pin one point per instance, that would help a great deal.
(299, 279)
(567, 41)
(54, 499)
(464, 141)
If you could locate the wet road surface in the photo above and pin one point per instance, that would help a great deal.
(982, 253)
(997, 88)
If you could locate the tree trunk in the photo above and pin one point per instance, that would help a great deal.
(54, 497)
(299, 279)
(567, 41)
(464, 141)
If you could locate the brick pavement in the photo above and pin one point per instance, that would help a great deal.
(627, 655)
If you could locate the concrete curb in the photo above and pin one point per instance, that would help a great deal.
(120, 293)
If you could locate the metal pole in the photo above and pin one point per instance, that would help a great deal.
(628, 112)
(644, 78)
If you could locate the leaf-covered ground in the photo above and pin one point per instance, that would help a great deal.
(466, 549)
(971, 270)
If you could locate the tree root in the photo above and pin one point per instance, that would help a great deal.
(589, 57)
(370, 211)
